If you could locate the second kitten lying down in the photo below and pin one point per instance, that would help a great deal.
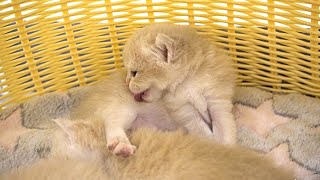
(81, 154)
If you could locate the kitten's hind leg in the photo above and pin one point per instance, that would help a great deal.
(193, 122)
(223, 122)
(116, 123)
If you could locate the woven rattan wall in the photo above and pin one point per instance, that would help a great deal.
(58, 44)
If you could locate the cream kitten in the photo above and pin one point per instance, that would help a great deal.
(193, 77)
(111, 102)
(160, 155)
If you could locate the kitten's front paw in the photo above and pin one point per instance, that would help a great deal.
(120, 148)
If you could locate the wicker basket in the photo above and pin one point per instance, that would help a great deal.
(58, 44)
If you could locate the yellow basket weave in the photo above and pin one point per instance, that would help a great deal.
(58, 44)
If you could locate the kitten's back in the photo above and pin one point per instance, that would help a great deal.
(175, 155)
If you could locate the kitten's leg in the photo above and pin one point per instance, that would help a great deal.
(189, 117)
(222, 120)
(116, 122)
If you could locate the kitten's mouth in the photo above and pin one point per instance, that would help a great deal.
(139, 97)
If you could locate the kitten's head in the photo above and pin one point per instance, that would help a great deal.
(81, 139)
(155, 58)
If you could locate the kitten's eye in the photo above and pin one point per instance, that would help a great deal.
(134, 73)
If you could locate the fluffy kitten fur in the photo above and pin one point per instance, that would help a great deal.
(160, 155)
(193, 77)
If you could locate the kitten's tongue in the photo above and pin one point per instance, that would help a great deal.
(138, 97)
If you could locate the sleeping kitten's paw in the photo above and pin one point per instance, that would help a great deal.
(112, 143)
(119, 148)
(124, 150)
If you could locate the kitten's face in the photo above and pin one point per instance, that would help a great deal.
(152, 66)
(146, 80)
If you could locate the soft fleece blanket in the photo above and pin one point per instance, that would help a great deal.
(285, 127)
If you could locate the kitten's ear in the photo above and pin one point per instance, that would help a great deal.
(166, 46)
(67, 127)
